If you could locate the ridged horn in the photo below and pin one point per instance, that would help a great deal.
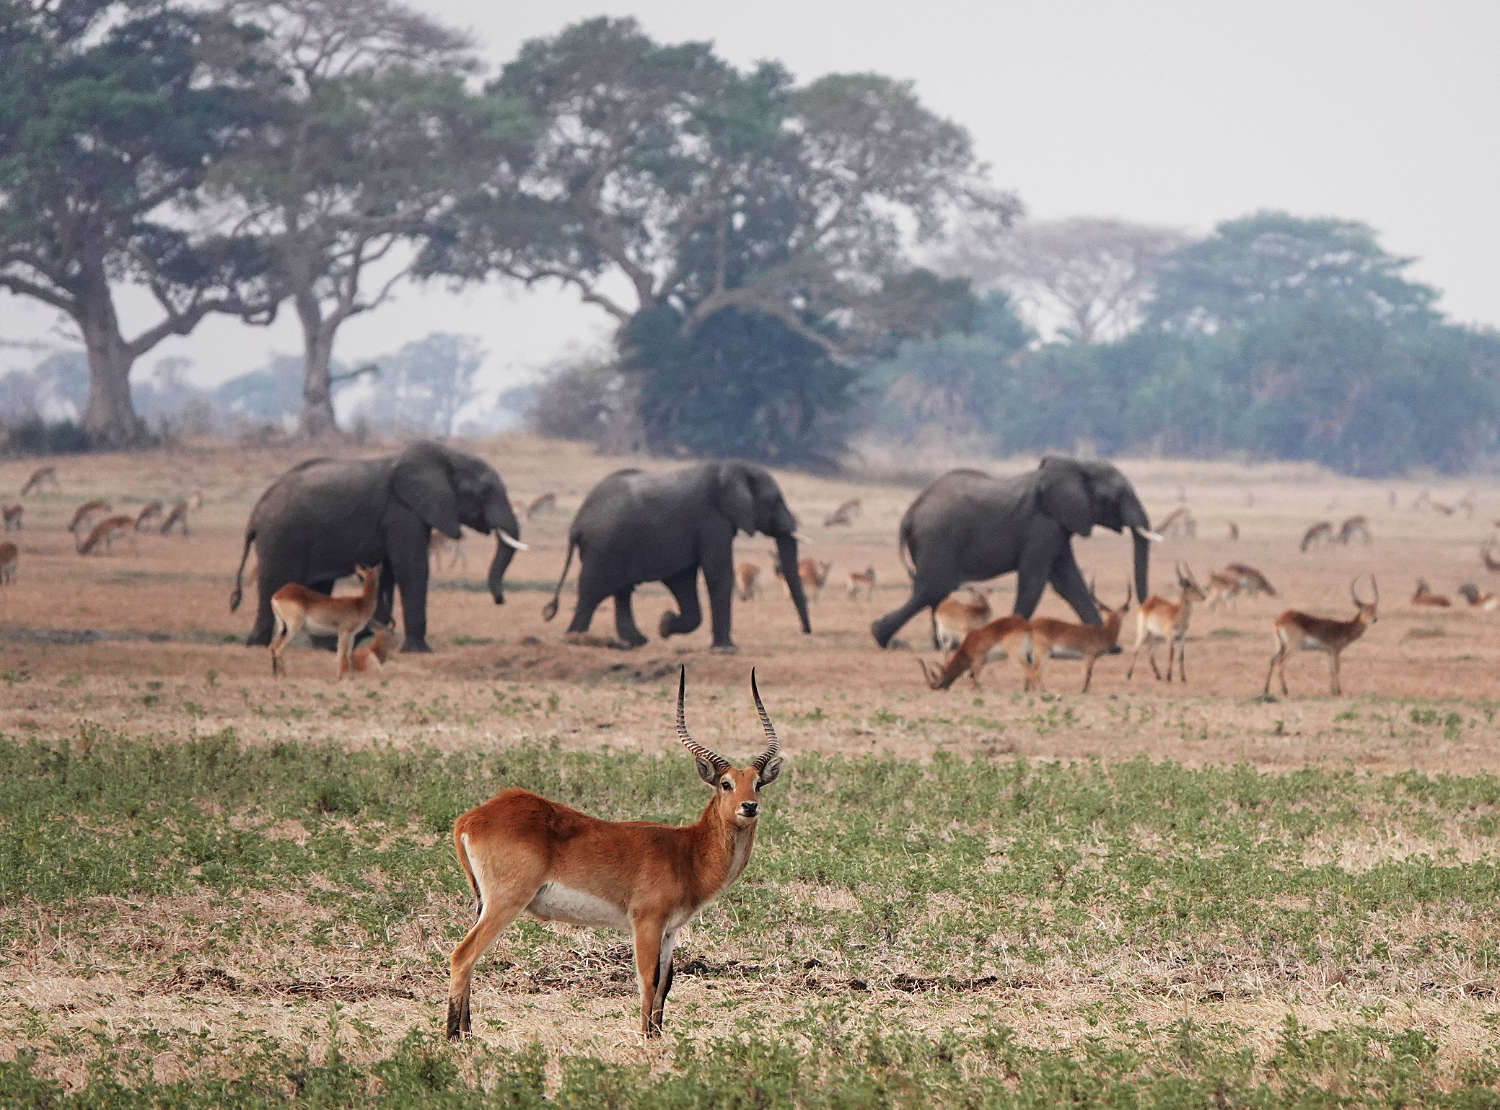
(773, 745)
(686, 737)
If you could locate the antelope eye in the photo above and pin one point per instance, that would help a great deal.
(726, 785)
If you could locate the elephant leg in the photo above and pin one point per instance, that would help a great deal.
(406, 547)
(718, 576)
(684, 587)
(625, 626)
(1068, 581)
(265, 622)
(926, 594)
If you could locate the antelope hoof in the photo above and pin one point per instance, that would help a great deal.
(455, 1013)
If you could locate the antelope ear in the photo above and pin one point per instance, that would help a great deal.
(708, 770)
(768, 776)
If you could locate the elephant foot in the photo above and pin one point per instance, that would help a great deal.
(724, 649)
(416, 645)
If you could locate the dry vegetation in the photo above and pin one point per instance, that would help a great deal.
(138, 648)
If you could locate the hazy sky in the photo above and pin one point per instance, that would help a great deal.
(1179, 112)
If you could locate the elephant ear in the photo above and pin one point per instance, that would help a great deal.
(423, 483)
(1064, 495)
(736, 500)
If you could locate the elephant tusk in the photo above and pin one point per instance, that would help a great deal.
(1147, 534)
(800, 538)
(507, 538)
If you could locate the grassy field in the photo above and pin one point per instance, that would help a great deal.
(220, 889)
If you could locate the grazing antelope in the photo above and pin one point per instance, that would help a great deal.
(1179, 522)
(177, 515)
(844, 514)
(84, 514)
(106, 531)
(1249, 580)
(1011, 633)
(41, 474)
(1321, 532)
(862, 580)
(438, 543)
(1354, 526)
(520, 851)
(1089, 640)
(544, 503)
(745, 575)
(150, 511)
(1234, 532)
(296, 605)
(1297, 631)
(955, 617)
(10, 554)
(372, 654)
(13, 513)
(1484, 553)
(1486, 601)
(1159, 619)
(1425, 596)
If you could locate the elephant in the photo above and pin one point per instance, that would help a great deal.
(315, 522)
(636, 527)
(968, 526)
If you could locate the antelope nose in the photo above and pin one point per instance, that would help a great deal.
(749, 809)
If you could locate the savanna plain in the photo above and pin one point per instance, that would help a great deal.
(218, 888)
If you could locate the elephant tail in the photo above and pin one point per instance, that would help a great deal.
(903, 548)
(238, 593)
(550, 609)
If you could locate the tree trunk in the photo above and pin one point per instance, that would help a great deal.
(110, 418)
(317, 420)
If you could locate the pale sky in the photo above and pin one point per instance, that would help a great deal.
(1176, 112)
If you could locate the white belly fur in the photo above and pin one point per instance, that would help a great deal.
(555, 902)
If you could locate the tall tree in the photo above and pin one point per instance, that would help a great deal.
(423, 386)
(376, 136)
(111, 112)
(1084, 279)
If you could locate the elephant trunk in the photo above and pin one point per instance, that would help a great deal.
(786, 553)
(507, 543)
(1142, 564)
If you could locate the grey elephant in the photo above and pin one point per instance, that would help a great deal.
(968, 526)
(635, 527)
(324, 515)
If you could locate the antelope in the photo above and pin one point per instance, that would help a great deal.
(1249, 580)
(1234, 532)
(1354, 526)
(954, 618)
(844, 514)
(1089, 640)
(813, 574)
(38, 476)
(1486, 601)
(1159, 619)
(1321, 532)
(1297, 631)
(1484, 553)
(10, 554)
(13, 514)
(1425, 596)
(106, 531)
(150, 511)
(862, 580)
(177, 515)
(520, 851)
(83, 514)
(195, 500)
(1179, 522)
(1222, 587)
(438, 543)
(1011, 633)
(544, 503)
(296, 605)
(1439, 507)
(372, 654)
(745, 575)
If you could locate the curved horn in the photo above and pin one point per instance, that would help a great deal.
(686, 737)
(773, 745)
(508, 539)
(1374, 586)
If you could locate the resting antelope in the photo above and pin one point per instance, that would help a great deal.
(372, 654)
(1425, 596)
(1089, 640)
(1010, 633)
(177, 515)
(1159, 619)
(82, 516)
(844, 514)
(745, 575)
(105, 532)
(1354, 526)
(1321, 532)
(955, 617)
(41, 474)
(544, 503)
(10, 554)
(150, 511)
(1477, 600)
(295, 605)
(862, 580)
(13, 513)
(520, 851)
(1297, 631)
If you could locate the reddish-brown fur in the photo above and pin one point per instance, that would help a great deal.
(13, 513)
(1159, 619)
(1297, 631)
(371, 655)
(178, 516)
(1089, 640)
(295, 605)
(10, 555)
(862, 580)
(745, 575)
(1011, 633)
(88, 509)
(1424, 596)
(149, 511)
(955, 617)
(106, 531)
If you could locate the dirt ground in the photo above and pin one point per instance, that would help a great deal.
(85, 630)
